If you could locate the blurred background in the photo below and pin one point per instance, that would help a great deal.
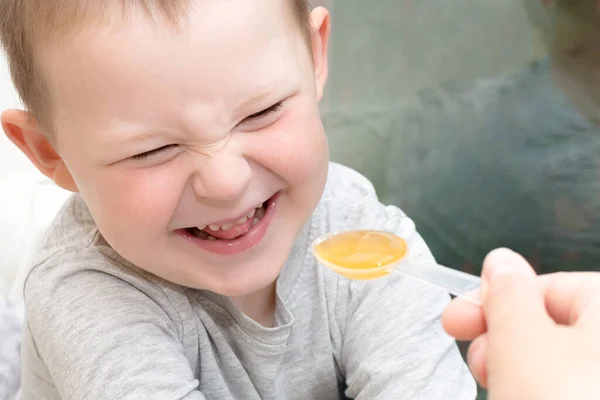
(477, 117)
(466, 115)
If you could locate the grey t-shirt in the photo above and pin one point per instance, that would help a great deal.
(100, 328)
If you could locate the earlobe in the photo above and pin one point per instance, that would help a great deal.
(25, 133)
(321, 28)
(63, 178)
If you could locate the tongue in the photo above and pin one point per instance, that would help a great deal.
(233, 233)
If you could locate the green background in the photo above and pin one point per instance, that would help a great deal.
(453, 110)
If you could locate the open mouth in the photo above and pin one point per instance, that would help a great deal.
(234, 237)
(230, 231)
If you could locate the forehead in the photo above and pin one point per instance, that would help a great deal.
(221, 51)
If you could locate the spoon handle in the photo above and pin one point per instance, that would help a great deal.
(455, 282)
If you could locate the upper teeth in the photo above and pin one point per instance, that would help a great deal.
(225, 227)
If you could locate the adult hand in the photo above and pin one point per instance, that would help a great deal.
(534, 337)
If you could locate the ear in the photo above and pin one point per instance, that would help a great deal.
(321, 28)
(24, 132)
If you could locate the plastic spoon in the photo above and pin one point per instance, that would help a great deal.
(368, 254)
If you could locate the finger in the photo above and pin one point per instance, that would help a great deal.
(572, 298)
(476, 359)
(567, 296)
(512, 299)
(463, 320)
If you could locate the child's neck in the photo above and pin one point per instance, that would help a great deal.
(260, 305)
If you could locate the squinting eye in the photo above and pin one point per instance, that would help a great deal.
(266, 112)
(151, 153)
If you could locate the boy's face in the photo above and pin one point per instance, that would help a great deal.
(164, 132)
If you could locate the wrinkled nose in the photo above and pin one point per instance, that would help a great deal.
(224, 177)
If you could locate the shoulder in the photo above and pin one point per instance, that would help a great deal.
(72, 229)
(86, 295)
(346, 193)
(76, 268)
(73, 247)
(351, 202)
(93, 274)
(344, 183)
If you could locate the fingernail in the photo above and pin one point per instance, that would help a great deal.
(499, 262)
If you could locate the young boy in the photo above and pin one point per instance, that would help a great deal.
(182, 268)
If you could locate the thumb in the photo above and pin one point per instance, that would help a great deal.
(513, 301)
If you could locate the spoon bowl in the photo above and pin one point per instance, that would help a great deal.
(360, 255)
(370, 254)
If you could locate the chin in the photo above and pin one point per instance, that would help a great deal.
(246, 277)
(246, 284)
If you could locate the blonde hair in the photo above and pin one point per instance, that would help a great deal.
(26, 24)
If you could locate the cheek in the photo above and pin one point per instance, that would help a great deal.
(122, 198)
(296, 148)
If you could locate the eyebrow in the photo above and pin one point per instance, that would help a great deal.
(264, 91)
(257, 98)
(132, 139)
(126, 141)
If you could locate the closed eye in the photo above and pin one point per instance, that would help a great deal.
(266, 112)
(152, 153)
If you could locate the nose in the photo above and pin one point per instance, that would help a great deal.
(224, 176)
